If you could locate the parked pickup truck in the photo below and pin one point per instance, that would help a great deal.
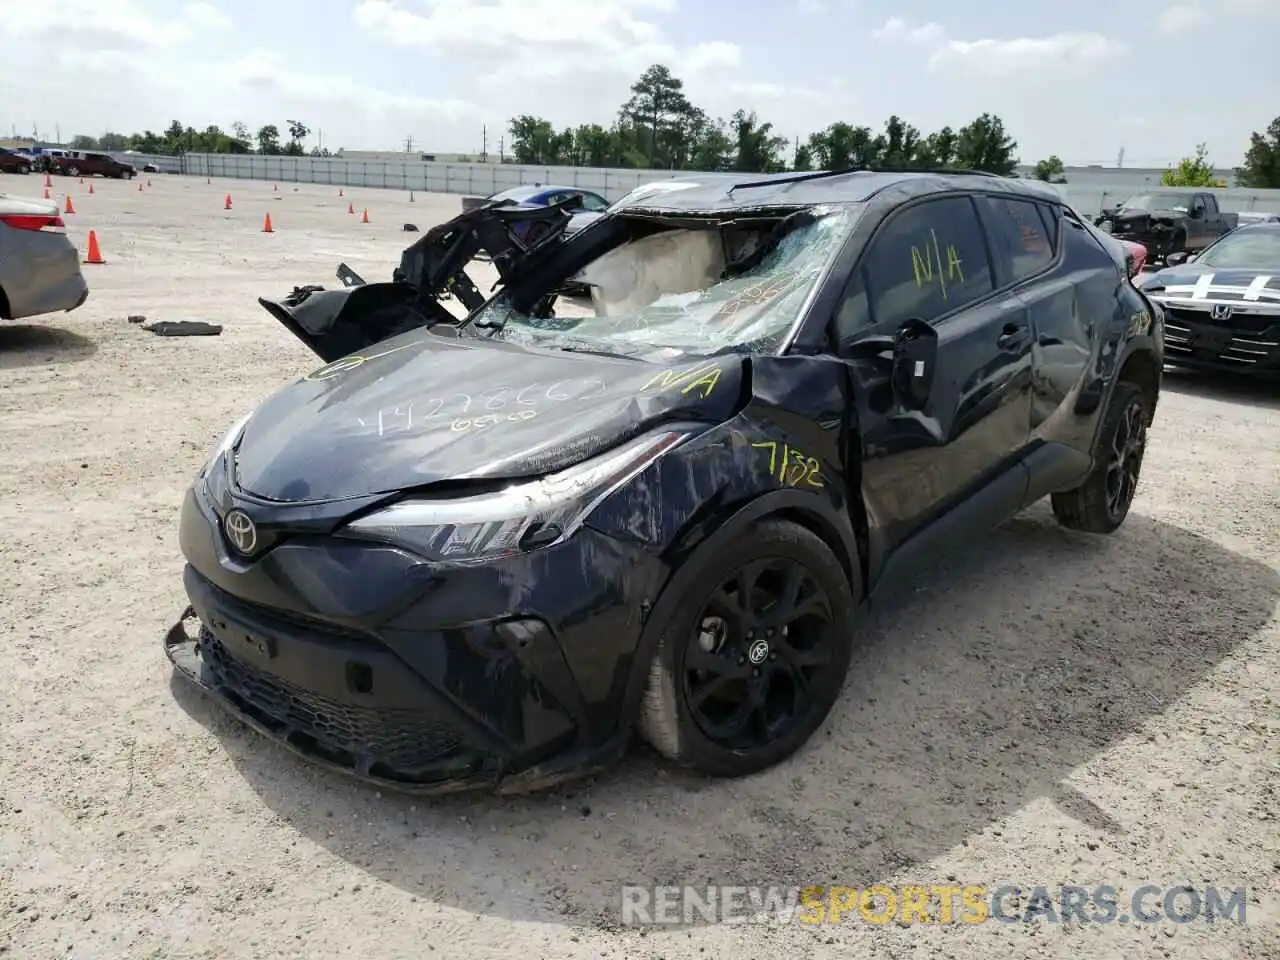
(1168, 222)
(83, 163)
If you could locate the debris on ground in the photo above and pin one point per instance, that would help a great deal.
(409, 228)
(184, 328)
(137, 318)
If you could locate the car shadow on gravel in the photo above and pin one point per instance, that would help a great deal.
(979, 689)
(1250, 391)
(23, 345)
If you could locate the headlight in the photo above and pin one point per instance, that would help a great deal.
(525, 516)
(224, 445)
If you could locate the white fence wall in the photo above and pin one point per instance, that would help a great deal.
(1088, 190)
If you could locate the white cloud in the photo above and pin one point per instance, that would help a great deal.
(897, 30)
(1181, 18)
(205, 16)
(100, 25)
(1019, 56)
(257, 73)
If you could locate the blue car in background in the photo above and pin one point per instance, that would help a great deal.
(546, 195)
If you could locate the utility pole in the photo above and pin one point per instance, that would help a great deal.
(1120, 158)
(484, 143)
(57, 133)
(501, 154)
(408, 144)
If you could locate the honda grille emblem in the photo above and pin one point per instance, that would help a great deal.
(241, 531)
(1220, 311)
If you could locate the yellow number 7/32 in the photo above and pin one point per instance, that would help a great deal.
(790, 466)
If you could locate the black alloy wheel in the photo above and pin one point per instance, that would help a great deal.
(751, 659)
(1128, 444)
(1101, 503)
(753, 656)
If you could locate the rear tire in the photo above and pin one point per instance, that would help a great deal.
(1101, 503)
(738, 686)
(73, 171)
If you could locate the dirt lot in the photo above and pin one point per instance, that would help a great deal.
(1048, 709)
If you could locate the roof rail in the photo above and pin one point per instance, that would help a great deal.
(822, 174)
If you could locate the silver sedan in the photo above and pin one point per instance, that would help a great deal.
(39, 265)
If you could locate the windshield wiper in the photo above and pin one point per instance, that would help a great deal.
(579, 347)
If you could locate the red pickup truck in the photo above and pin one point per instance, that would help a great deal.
(81, 163)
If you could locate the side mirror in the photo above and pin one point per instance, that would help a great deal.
(915, 351)
(898, 369)
(1177, 259)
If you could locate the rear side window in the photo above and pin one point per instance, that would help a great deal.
(1020, 242)
(927, 260)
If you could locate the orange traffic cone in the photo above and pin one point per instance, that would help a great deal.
(350, 209)
(266, 224)
(46, 193)
(70, 207)
(208, 180)
(95, 255)
(139, 188)
(91, 189)
(339, 191)
(148, 181)
(365, 217)
(226, 205)
(275, 188)
(48, 180)
(411, 196)
(82, 179)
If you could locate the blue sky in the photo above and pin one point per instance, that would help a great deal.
(1080, 79)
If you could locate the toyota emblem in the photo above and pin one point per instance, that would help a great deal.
(758, 652)
(240, 531)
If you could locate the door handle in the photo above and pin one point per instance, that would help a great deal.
(1012, 335)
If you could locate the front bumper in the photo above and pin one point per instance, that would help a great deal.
(1242, 343)
(506, 676)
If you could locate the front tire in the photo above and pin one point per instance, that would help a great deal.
(754, 655)
(1101, 503)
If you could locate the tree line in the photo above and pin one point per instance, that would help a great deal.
(179, 139)
(659, 127)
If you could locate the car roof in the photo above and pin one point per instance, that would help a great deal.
(726, 192)
(1263, 226)
(527, 190)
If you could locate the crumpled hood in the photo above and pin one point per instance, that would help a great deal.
(421, 408)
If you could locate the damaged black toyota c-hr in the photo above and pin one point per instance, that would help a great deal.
(481, 552)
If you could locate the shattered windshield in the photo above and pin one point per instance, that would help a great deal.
(1156, 201)
(694, 290)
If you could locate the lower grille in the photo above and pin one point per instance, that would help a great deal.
(1242, 339)
(403, 740)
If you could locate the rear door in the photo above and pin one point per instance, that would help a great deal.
(929, 261)
(1024, 245)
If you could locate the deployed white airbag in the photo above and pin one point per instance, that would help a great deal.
(636, 274)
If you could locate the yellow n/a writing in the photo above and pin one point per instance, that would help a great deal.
(927, 265)
(702, 379)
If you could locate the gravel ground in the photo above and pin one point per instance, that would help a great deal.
(1049, 708)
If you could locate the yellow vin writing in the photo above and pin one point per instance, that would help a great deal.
(791, 466)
